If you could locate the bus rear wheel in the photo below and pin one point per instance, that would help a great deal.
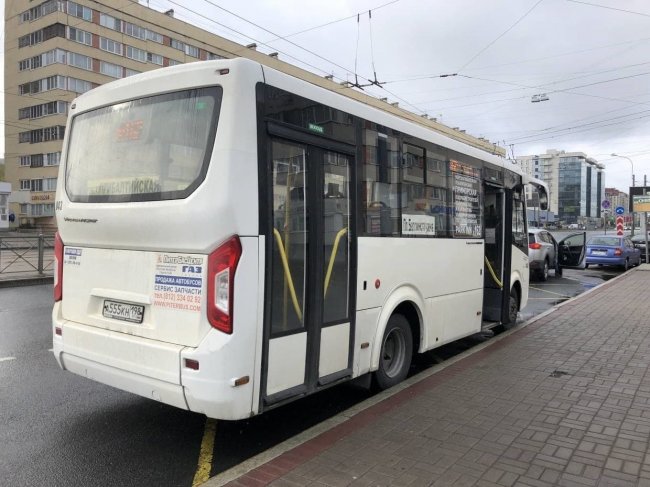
(396, 353)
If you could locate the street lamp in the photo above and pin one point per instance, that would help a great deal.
(631, 164)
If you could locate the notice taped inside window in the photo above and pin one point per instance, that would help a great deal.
(468, 218)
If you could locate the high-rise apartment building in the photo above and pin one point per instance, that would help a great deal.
(576, 183)
(58, 49)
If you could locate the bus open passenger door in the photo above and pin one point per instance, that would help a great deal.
(493, 275)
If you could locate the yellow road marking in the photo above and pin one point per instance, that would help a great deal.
(205, 456)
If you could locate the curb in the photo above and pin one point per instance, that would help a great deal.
(267, 456)
(26, 281)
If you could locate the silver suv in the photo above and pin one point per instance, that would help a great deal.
(542, 252)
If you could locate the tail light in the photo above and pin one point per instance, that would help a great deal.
(535, 246)
(618, 251)
(58, 267)
(222, 264)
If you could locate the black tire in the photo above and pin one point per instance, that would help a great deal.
(396, 353)
(626, 266)
(586, 266)
(513, 308)
(543, 274)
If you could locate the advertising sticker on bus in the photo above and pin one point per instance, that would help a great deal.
(179, 282)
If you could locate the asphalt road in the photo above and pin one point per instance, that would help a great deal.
(59, 429)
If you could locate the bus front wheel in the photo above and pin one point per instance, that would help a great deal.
(396, 353)
(513, 308)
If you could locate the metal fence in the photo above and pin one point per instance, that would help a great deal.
(26, 255)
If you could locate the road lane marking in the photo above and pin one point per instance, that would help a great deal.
(204, 464)
(7, 359)
(549, 292)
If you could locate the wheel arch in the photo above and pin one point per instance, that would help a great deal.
(408, 302)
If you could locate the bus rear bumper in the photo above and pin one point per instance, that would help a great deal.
(154, 369)
(148, 387)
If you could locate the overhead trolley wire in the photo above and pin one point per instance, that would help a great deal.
(499, 37)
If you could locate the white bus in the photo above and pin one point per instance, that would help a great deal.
(232, 238)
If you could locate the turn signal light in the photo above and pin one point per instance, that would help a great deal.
(535, 246)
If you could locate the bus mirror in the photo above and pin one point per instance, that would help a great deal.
(543, 199)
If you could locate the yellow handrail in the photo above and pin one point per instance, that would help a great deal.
(335, 249)
(494, 276)
(287, 273)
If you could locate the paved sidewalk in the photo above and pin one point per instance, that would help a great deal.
(564, 400)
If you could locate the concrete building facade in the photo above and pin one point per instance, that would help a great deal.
(58, 49)
(576, 183)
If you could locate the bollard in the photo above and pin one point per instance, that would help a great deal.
(41, 250)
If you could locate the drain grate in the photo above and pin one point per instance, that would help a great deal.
(558, 373)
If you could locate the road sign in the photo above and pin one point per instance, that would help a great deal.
(606, 204)
(620, 210)
(619, 225)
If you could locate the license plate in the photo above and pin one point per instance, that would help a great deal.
(599, 252)
(133, 313)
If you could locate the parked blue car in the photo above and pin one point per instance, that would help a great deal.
(612, 250)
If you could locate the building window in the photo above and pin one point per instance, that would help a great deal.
(25, 161)
(44, 109)
(80, 61)
(50, 57)
(80, 36)
(110, 69)
(136, 54)
(54, 30)
(52, 158)
(154, 36)
(25, 185)
(155, 58)
(110, 22)
(36, 160)
(131, 72)
(80, 11)
(178, 45)
(191, 50)
(42, 135)
(78, 85)
(173, 62)
(24, 208)
(49, 184)
(212, 56)
(30, 39)
(110, 45)
(134, 30)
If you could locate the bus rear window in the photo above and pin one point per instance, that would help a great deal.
(154, 148)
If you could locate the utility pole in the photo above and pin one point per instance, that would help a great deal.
(645, 220)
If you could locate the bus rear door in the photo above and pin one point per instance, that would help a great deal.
(309, 296)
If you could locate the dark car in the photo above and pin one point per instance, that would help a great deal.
(639, 243)
(612, 250)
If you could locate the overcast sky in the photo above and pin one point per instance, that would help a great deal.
(591, 58)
